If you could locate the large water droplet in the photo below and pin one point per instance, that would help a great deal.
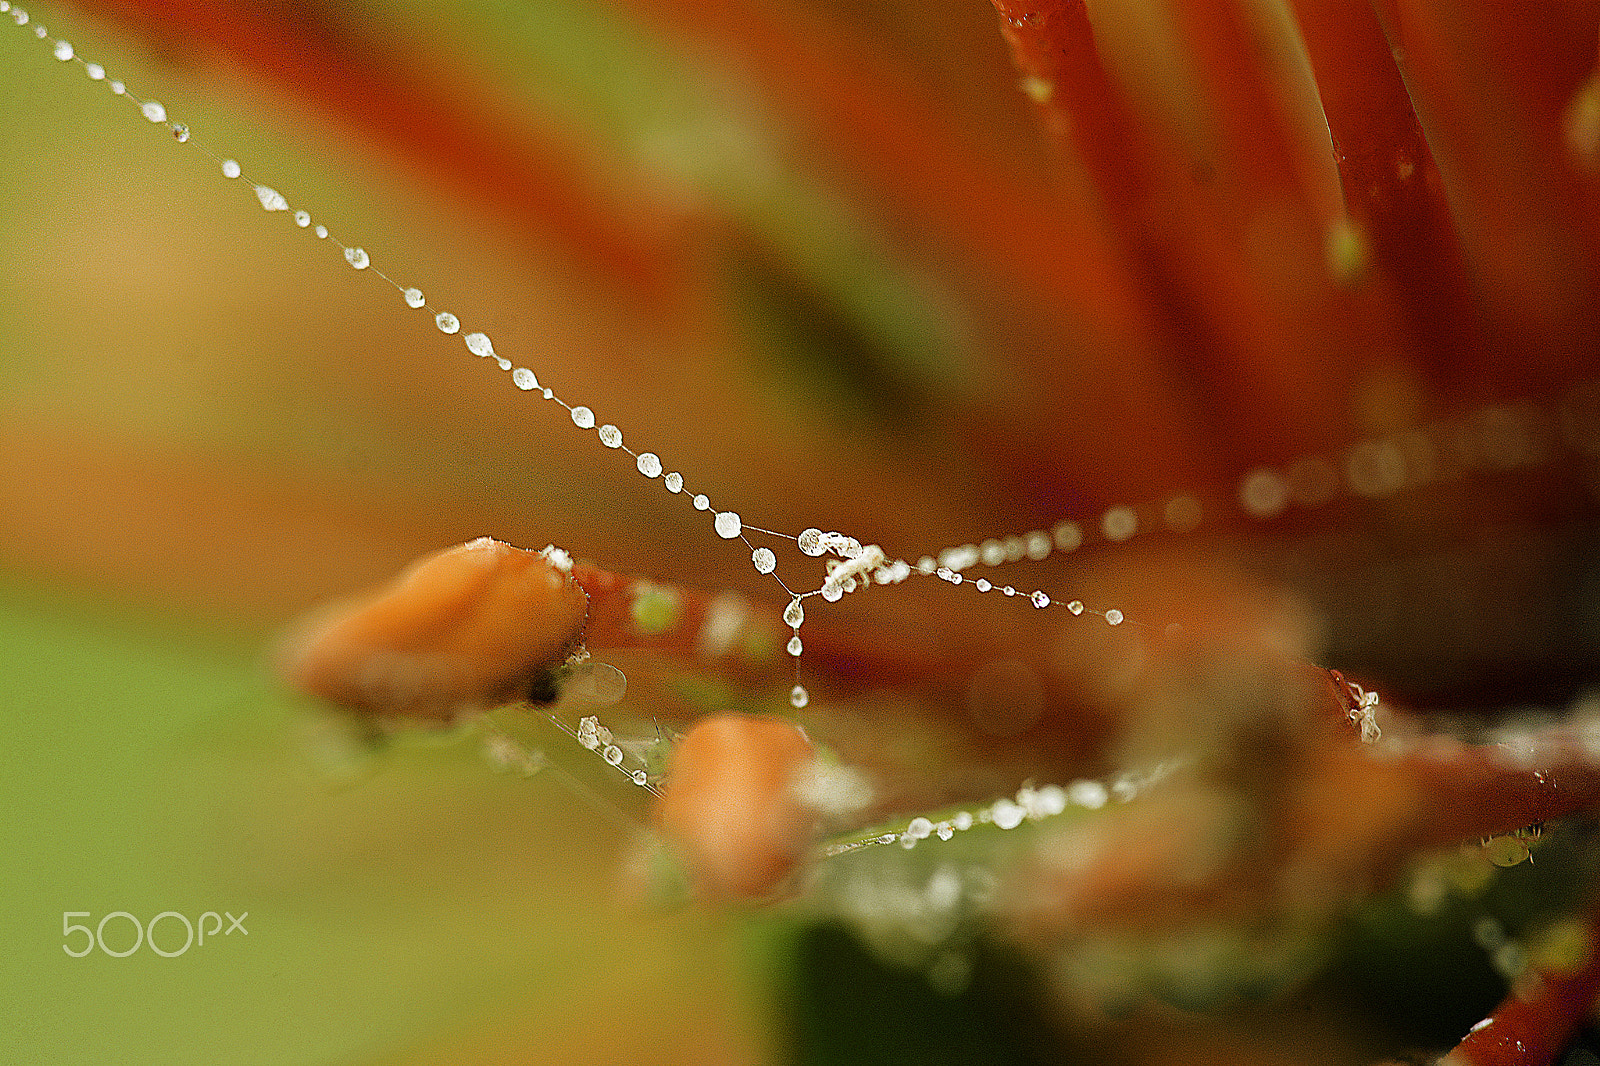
(727, 525)
(63, 51)
(649, 464)
(610, 436)
(479, 344)
(302, 219)
(794, 615)
(414, 298)
(153, 111)
(523, 379)
(673, 482)
(447, 322)
(583, 418)
(357, 257)
(762, 559)
(272, 200)
(799, 697)
(230, 168)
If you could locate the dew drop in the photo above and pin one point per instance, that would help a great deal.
(356, 257)
(983, 584)
(673, 482)
(613, 755)
(414, 298)
(1076, 606)
(549, 393)
(762, 559)
(832, 593)
(230, 168)
(523, 379)
(1113, 617)
(610, 436)
(727, 524)
(63, 51)
(321, 232)
(272, 200)
(180, 132)
(794, 615)
(153, 111)
(20, 17)
(794, 647)
(799, 697)
(702, 502)
(1009, 591)
(649, 464)
(302, 219)
(1040, 599)
(95, 71)
(447, 322)
(1119, 523)
(117, 87)
(640, 778)
(478, 344)
(502, 363)
(583, 418)
(811, 541)
(1263, 493)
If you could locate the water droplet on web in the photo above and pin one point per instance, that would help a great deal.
(95, 71)
(63, 51)
(414, 298)
(447, 322)
(832, 593)
(1076, 606)
(640, 778)
(523, 379)
(983, 584)
(583, 418)
(502, 363)
(794, 615)
(613, 755)
(20, 16)
(727, 524)
(180, 132)
(117, 87)
(702, 502)
(321, 232)
(479, 344)
(1040, 599)
(549, 393)
(794, 647)
(272, 200)
(230, 168)
(1114, 617)
(673, 482)
(649, 464)
(302, 219)
(153, 111)
(1009, 591)
(799, 697)
(610, 436)
(356, 257)
(762, 559)
(811, 542)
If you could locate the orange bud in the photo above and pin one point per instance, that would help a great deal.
(469, 627)
(729, 804)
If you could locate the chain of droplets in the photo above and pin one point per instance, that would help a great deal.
(1493, 438)
(1032, 803)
